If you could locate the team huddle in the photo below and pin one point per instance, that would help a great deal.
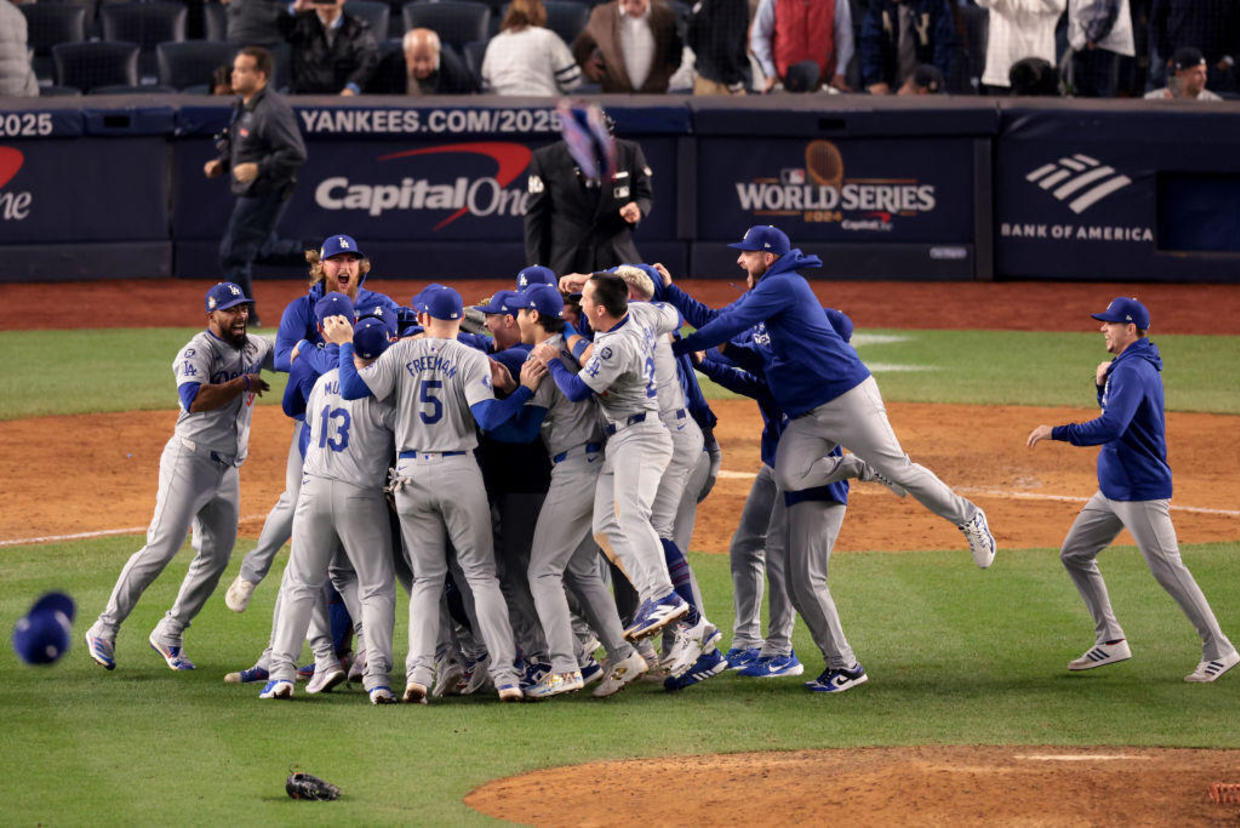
(534, 490)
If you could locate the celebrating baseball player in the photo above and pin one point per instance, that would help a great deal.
(342, 503)
(442, 390)
(217, 376)
(1134, 493)
(824, 388)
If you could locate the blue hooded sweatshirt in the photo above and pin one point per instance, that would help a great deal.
(297, 322)
(1132, 429)
(811, 365)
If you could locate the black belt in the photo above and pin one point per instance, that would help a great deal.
(634, 420)
(413, 455)
(591, 448)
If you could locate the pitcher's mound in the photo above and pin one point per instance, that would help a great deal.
(924, 785)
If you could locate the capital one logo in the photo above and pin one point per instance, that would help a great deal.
(1083, 179)
(14, 206)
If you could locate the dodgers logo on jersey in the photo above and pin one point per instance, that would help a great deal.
(188, 369)
(604, 354)
(760, 335)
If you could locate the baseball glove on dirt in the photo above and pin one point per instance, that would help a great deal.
(307, 786)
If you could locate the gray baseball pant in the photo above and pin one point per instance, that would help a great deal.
(1149, 521)
(563, 555)
(757, 543)
(635, 459)
(686, 449)
(278, 527)
(812, 527)
(686, 516)
(857, 420)
(331, 513)
(194, 491)
(442, 499)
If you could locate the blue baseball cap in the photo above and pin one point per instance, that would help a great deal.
(335, 245)
(504, 301)
(226, 295)
(370, 338)
(840, 321)
(1124, 309)
(535, 275)
(55, 602)
(443, 303)
(41, 637)
(418, 302)
(333, 304)
(545, 299)
(766, 238)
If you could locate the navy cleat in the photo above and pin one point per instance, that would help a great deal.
(837, 681)
(710, 664)
(653, 616)
(740, 658)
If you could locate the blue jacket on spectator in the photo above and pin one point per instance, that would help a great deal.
(934, 39)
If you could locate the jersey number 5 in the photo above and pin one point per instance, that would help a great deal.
(340, 440)
(427, 396)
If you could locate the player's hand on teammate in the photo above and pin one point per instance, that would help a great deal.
(246, 172)
(698, 357)
(532, 373)
(1042, 432)
(664, 272)
(1100, 374)
(631, 212)
(545, 353)
(337, 330)
(573, 282)
(501, 378)
(213, 168)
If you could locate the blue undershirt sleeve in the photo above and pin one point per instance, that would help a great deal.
(352, 386)
(522, 428)
(188, 392)
(572, 385)
(491, 414)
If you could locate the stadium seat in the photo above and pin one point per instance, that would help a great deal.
(48, 24)
(147, 24)
(376, 14)
(58, 91)
(473, 52)
(101, 63)
(457, 22)
(191, 63)
(215, 21)
(564, 17)
(137, 89)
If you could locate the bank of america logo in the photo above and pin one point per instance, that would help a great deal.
(1086, 178)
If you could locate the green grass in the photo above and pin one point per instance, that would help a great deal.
(955, 656)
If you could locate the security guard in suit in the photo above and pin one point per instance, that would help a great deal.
(576, 224)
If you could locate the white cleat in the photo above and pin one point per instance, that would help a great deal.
(621, 675)
(687, 646)
(448, 677)
(981, 541)
(238, 596)
(277, 689)
(1102, 654)
(1209, 670)
(325, 678)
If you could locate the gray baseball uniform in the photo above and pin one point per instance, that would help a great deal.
(198, 486)
(639, 448)
(278, 527)
(434, 382)
(341, 502)
(562, 553)
(758, 546)
(804, 553)
(687, 441)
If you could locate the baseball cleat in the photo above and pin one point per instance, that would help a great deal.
(101, 650)
(172, 655)
(357, 666)
(553, 684)
(477, 677)
(278, 689)
(382, 695)
(325, 679)
(591, 672)
(305, 672)
(653, 616)
(774, 667)
(247, 676)
(981, 541)
(1210, 669)
(1102, 654)
(510, 692)
(741, 657)
(237, 598)
(645, 648)
(448, 677)
(621, 675)
(534, 673)
(712, 663)
(414, 693)
(833, 680)
(686, 648)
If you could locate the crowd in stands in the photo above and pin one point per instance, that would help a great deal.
(1083, 48)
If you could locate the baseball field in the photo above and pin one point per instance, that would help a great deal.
(969, 717)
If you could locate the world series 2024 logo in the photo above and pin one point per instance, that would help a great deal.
(14, 206)
(820, 192)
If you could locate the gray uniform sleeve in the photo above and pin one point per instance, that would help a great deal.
(476, 377)
(605, 366)
(380, 375)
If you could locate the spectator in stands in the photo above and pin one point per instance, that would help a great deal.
(787, 32)
(432, 70)
(1099, 31)
(333, 51)
(1034, 77)
(925, 80)
(630, 46)
(255, 22)
(899, 35)
(527, 58)
(1018, 29)
(1212, 26)
(1189, 80)
(16, 76)
(262, 149)
(718, 34)
(221, 81)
